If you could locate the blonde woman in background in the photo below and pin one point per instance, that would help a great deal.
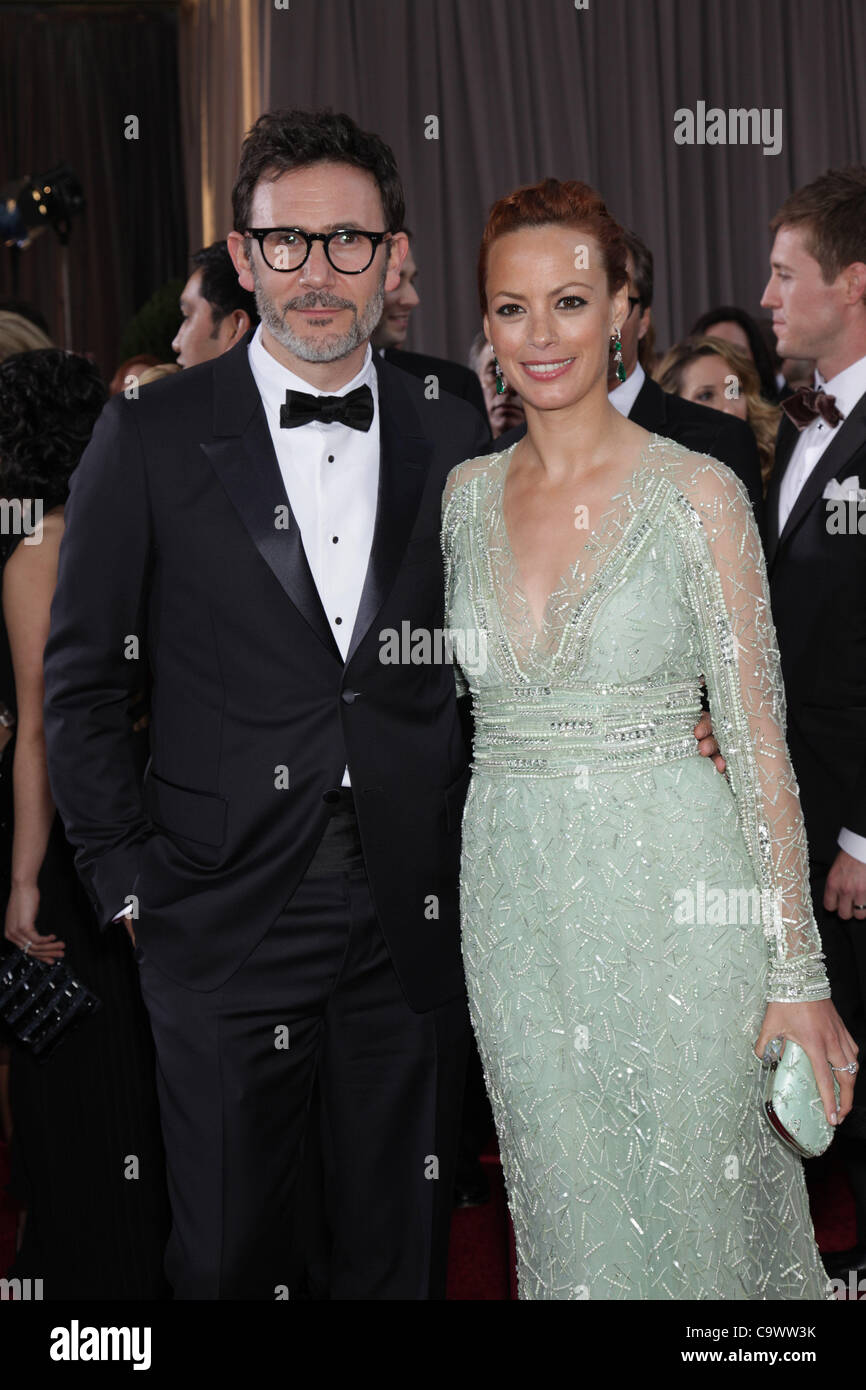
(713, 372)
(18, 334)
(157, 373)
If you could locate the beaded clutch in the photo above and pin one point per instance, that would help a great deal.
(791, 1100)
(41, 1003)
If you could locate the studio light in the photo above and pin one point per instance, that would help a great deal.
(30, 204)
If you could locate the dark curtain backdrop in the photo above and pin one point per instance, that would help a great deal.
(70, 76)
(527, 88)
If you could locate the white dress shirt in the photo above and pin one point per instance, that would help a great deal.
(847, 386)
(625, 395)
(331, 476)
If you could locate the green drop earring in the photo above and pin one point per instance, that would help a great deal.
(500, 379)
(617, 354)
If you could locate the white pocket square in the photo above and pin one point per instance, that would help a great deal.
(848, 488)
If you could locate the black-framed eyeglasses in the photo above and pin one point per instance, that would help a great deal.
(632, 301)
(349, 250)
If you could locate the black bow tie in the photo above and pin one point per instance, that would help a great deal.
(354, 409)
(806, 405)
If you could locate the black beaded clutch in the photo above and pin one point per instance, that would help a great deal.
(41, 1003)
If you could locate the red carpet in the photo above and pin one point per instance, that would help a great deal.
(482, 1245)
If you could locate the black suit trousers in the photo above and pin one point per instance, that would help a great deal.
(844, 946)
(316, 1004)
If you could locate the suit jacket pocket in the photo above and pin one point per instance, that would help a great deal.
(192, 815)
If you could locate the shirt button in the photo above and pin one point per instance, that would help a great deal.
(338, 620)
(349, 697)
(330, 458)
(335, 539)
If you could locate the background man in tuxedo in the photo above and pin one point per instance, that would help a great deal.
(641, 399)
(817, 292)
(504, 408)
(216, 311)
(252, 527)
(389, 339)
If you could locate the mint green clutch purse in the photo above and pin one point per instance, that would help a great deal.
(792, 1103)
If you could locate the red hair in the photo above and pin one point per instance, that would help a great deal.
(556, 203)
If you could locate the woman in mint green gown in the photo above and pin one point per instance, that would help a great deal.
(628, 915)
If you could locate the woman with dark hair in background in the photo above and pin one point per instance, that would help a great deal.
(86, 1151)
(739, 328)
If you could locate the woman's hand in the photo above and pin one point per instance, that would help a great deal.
(20, 929)
(826, 1041)
(707, 746)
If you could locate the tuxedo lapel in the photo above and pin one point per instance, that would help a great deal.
(243, 456)
(785, 441)
(404, 457)
(848, 441)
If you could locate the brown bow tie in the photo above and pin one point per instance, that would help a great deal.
(806, 405)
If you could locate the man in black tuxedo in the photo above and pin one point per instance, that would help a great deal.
(258, 528)
(816, 555)
(641, 399)
(389, 340)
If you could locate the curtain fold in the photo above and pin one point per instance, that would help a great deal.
(225, 63)
(72, 76)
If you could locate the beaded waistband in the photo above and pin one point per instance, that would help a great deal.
(565, 732)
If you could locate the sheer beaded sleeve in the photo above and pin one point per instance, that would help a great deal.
(728, 581)
(452, 500)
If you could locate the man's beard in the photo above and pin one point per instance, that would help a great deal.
(325, 346)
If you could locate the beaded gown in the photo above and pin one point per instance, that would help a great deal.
(627, 912)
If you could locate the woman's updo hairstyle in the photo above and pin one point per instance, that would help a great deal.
(554, 202)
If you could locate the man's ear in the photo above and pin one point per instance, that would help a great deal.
(240, 248)
(241, 324)
(398, 250)
(855, 282)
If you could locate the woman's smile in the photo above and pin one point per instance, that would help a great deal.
(546, 371)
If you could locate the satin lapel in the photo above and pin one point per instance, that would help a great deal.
(247, 466)
(848, 441)
(404, 458)
(785, 441)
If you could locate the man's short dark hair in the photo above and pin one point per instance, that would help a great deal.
(831, 212)
(283, 140)
(642, 267)
(220, 285)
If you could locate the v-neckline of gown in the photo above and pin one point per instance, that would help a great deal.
(568, 575)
